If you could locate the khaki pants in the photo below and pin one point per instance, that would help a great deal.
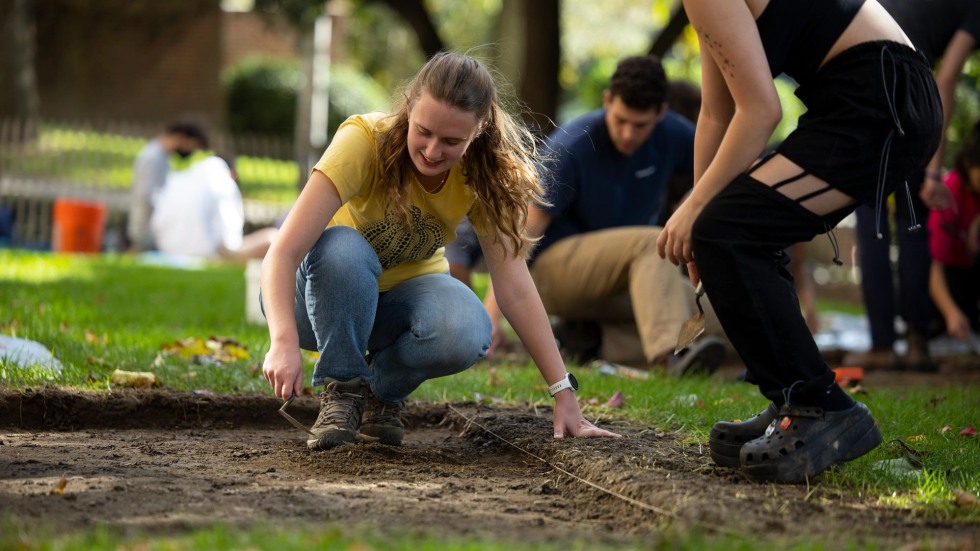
(616, 278)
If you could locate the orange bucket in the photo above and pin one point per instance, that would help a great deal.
(77, 226)
(845, 376)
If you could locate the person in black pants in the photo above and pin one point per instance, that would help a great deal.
(946, 32)
(873, 119)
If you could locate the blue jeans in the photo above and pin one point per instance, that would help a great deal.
(429, 326)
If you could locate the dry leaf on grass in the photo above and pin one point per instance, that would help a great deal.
(134, 379)
(213, 349)
(965, 499)
(615, 401)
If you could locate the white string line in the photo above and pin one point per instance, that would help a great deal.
(613, 493)
(630, 500)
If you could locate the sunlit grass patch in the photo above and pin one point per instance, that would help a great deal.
(101, 313)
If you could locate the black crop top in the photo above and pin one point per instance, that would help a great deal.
(797, 34)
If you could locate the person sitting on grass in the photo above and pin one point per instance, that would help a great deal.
(954, 241)
(150, 170)
(390, 190)
(200, 214)
(596, 266)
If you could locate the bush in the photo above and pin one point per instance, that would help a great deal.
(262, 96)
(352, 92)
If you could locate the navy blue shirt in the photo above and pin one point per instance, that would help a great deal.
(592, 186)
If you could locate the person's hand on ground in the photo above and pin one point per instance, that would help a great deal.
(569, 420)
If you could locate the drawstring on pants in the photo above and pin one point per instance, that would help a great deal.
(833, 243)
(887, 148)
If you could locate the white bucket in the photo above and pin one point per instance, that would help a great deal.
(253, 278)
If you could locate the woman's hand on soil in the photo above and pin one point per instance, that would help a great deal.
(569, 420)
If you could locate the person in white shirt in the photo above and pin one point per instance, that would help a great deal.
(200, 213)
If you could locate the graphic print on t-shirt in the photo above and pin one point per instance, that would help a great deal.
(395, 243)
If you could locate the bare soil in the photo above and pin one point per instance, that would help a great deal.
(162, 461)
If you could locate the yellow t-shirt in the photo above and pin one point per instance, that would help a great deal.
(351, 163)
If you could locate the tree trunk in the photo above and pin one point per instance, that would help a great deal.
(539, 88)
(17, 47)
(530, 38)
(671, 32)
(415, 14)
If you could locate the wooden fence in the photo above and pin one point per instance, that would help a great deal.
(41, 161)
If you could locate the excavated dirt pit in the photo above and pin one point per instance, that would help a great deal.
(163, 462)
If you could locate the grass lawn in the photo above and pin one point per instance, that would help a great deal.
(98, 314)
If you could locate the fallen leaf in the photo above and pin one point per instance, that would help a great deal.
(64, 327)
(93, 338)
(917, 438)
(134, 379)
(615, 401)
(914, 456)
(936, 400)
(207, 351)
(965, 499)
(968, 431)
(59, 486)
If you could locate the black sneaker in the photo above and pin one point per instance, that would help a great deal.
(802, 442)
(341, 406)
(701, 358)
(381, 421)
(727, 437)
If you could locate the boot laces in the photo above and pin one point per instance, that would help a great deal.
(338, 407)
(384, 413)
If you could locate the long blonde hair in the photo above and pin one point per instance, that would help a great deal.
(499, 164)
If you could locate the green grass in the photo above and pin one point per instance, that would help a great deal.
(73, 155)
(25, 536)
(101, 313)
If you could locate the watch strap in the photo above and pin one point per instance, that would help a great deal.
(560, 386)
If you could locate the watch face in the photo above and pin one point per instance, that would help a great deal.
(573, 381)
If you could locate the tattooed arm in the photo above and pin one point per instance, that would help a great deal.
(740, 110)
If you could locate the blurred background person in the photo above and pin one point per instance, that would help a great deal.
(200, 213)
(596, 265)
(946, 32)
(150, 170)
(954, 281)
